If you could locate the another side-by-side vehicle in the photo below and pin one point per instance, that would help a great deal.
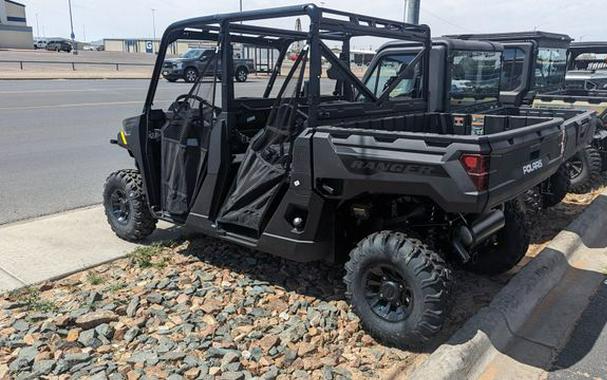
(397, 192)
(534, 75)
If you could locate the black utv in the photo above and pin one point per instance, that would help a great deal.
(535, 65)
(318, 167)
(479, 77)
(587, 66)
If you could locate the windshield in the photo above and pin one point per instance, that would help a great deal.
(590, 61)
(476, 74)
(550, 68)
(387, 70)
(192, 54)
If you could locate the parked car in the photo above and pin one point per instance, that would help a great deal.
(194, 61)
(40, 44)
(89, 48)
(343, 175)
(59, 46)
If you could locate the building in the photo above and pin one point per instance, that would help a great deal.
(150, 45)
(14, 32)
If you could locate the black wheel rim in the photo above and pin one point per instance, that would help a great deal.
(120, 207)
(388, 294)
(575, 168)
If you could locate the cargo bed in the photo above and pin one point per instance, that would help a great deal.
(426, 155)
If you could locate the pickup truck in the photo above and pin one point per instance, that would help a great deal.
(534, 75)
(466, 78)
(191, 64)
(376, 181)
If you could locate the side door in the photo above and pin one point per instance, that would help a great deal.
(517, 72)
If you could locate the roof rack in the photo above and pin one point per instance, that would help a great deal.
(547, 39)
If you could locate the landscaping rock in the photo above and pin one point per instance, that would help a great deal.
(94, 319)
(203, 310)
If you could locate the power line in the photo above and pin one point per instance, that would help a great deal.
(446, 21)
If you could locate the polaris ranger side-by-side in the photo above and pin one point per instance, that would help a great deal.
(374, 179)
(465, 76)
(587, 67)
(540, 59)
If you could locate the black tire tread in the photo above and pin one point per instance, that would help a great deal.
(595, 167)
(432, 271)
(559, 187)
(144, 222)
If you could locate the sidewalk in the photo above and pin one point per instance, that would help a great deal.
(549, 329)
(549, 322)
(54, 246)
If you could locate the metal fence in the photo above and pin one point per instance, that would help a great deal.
(116, 65)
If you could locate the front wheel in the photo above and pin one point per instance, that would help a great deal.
(126, 206)
(398, 287)
(190, 75)
(585, 170)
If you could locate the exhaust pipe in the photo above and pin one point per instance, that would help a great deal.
(467, 237)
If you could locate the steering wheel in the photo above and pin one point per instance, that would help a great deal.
(182, 101)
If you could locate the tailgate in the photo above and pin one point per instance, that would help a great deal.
(579, 126)
(523, 158)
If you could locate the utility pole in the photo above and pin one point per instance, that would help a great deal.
(84, 32)
(73, 35)
(37, 26)
(412, 11)
(154, 30)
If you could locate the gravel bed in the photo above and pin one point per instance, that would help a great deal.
(204, 309)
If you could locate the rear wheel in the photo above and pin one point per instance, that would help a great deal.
(241, 74)
(126, 206)
(557, 187)
(585, 170)
(190, 74)
(502, 252)
(398, 287)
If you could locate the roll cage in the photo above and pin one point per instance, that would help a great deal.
(325, 25)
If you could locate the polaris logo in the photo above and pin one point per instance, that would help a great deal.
(372, 167)
(532, 167)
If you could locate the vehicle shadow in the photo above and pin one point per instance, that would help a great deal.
(324, 282)
(164, 233)
(564, 327)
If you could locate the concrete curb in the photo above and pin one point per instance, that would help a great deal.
(494, 327)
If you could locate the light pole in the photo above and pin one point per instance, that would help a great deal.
(73, 35)
(154, 30)
(412, 11)
(37, 26)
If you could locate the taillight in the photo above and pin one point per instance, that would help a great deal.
(477, 167)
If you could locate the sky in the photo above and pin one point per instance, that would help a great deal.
(97, 19)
